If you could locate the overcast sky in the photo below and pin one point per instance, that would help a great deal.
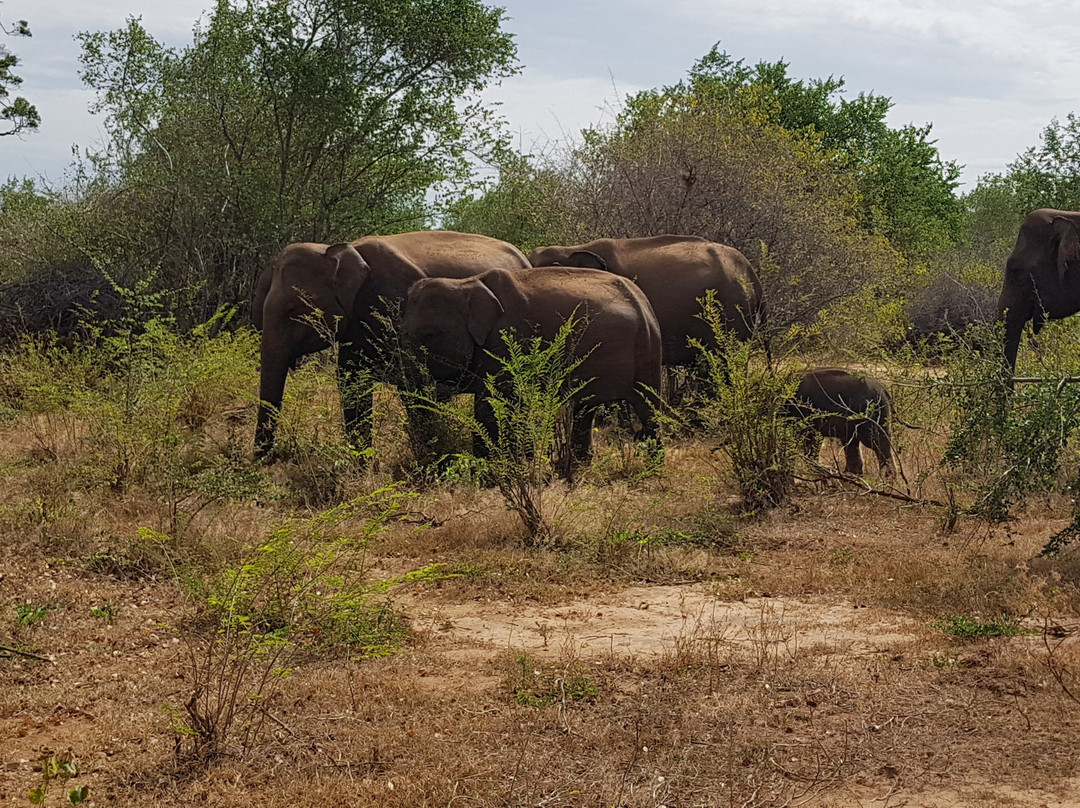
(989, 76)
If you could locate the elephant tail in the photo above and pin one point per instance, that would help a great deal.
(896, 420)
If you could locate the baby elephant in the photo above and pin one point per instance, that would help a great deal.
(856, 409)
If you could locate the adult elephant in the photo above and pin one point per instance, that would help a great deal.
(675, 272)
(856, 409)
(1042, 275)
(355, 287)
(460, 323)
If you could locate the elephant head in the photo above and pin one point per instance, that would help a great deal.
(450, 318)
(307, 279)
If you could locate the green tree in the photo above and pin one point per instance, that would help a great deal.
(1043, 176)
(908, 190)
(285, 120)
(19, 113)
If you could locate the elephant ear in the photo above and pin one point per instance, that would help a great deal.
(350, 274)
(482, 311)
(586, 260)
(1068, 251)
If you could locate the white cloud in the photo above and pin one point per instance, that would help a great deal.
(989, 77)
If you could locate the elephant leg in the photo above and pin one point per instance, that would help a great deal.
(488, 434)
(645, 407)
(274, 368)
(581, 433)
(354, 384)
(880, 442)
(853, 456)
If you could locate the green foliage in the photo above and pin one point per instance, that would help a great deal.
(542, 684)
(302, 591)
(972, 627)
(305, 584)
(144, 409)
(58, 769)
(524, 207)
(29, 614)
(281, 121)
(1043, 176)
(907, 191)
(527, 396)
(19, 113)
(1008, 443)
(744, 413)
(1048, 175)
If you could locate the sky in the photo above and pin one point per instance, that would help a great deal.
(988, 80)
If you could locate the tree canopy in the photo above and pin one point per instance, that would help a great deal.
(19, 114)
(287, 120)
(908, 192)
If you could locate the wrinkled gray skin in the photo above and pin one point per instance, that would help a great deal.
(459, 323)
(1042, 275)
(674, 272)
(855, 409)
(351, 284)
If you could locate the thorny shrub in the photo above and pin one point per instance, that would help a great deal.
(1006, 439)
(305, 590)
(744, 413)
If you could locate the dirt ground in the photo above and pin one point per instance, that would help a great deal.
(800, 661)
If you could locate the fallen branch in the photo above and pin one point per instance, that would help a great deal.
(4, 649)
(826, 474)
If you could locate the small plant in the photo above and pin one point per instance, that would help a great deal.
(542, 684)
(30, 614)
(1007, 442)
(303, 591)
(527, 400)
(972, 627)
(107, 611)
(744, 412)
(58, 769)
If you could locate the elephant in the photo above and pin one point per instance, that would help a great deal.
(675, 272)
(835, 403)
(459, 324)
(355, 286)
(1042, 275)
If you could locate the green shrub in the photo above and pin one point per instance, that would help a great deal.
(528, 397)
(744, 413)
(1007, 441)
(303, 591)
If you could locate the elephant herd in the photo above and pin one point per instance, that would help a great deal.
(635, 304)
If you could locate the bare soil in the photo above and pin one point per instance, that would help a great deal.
(794, 659)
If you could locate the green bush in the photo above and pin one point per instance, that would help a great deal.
(1006, 440)
(744, 413)
(305, 590)
(528, 397)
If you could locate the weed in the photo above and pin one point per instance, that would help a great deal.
(28, 614)
(744, 413)
(303, 590)
(58, 769)
(542, 684)
(1008, 443)
(108, 611)
(972, 627)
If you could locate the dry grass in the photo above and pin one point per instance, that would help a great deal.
(666, 651)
